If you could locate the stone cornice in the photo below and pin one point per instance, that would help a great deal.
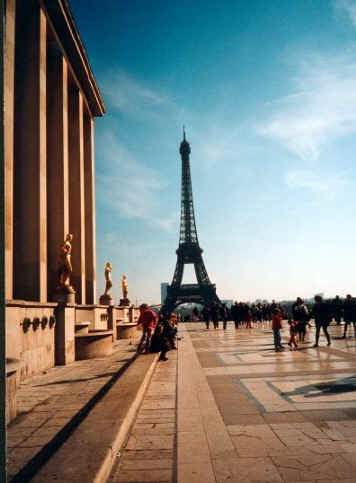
(61, 17)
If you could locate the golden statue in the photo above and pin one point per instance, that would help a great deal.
(108, 270)
(124, 287)
(65, 266)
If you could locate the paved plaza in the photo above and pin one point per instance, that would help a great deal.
(245, 413)
(224, 407)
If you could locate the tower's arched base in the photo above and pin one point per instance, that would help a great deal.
(189, 293)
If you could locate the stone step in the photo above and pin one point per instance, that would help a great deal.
(97, 343)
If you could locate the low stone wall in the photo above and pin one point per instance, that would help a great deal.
(31, 333)
(97, 315)
(127, 331)
(30, 336)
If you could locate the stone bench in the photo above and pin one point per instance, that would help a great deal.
(97, 343)
(126, 331)
(82, 328)
(12, 366)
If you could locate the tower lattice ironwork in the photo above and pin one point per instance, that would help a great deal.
(189, 251)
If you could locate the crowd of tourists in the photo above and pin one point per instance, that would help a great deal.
(159, 331)
(322, 312)
(242, 314)
(298, 315)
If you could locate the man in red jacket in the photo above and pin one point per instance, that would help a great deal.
(148, 320)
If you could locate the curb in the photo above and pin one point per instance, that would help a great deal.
(122, 435)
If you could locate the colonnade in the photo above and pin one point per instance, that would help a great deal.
(49, 160)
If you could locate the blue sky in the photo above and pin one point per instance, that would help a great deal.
(267, 92)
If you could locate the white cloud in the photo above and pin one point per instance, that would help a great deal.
(322, 107)
(133, 98)
(347, 6)
(214, 143)
(129, 187)
(327, 185)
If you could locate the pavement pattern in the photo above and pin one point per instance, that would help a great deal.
(246, 413)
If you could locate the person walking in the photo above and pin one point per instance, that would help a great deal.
(249, 319)
(223, 315)
(322, 316)
(235, 314)
(337, 309)
(214, 313)
(276, 327)
(300, 315)
(206, 315)
(292, 331)
(349, 314)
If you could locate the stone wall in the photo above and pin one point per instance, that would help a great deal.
(97, 315)
(30, 336)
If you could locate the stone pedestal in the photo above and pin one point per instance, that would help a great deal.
(125, 303)
(112, 321)
(64, 334)
(64, 298)
(106, 300)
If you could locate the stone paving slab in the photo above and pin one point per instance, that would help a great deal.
(50, 406)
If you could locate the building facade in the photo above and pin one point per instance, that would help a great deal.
(50, 101)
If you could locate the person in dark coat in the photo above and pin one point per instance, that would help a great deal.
(223, 315)
(349, 314)
(300, 316)
(214, 312)
(206, 315)
(337, 309)
(167, 342)
(235, 314)
(322, 315)
(156, 339)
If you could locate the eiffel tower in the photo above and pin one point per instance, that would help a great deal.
(189, 251)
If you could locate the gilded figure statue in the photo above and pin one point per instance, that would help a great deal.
(124, 287)
(108, 270)
(65, 266)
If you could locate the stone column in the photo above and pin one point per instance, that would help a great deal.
(76, 191)
(9, 87)
(30, 196)
(89, 182)
(57, 161)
